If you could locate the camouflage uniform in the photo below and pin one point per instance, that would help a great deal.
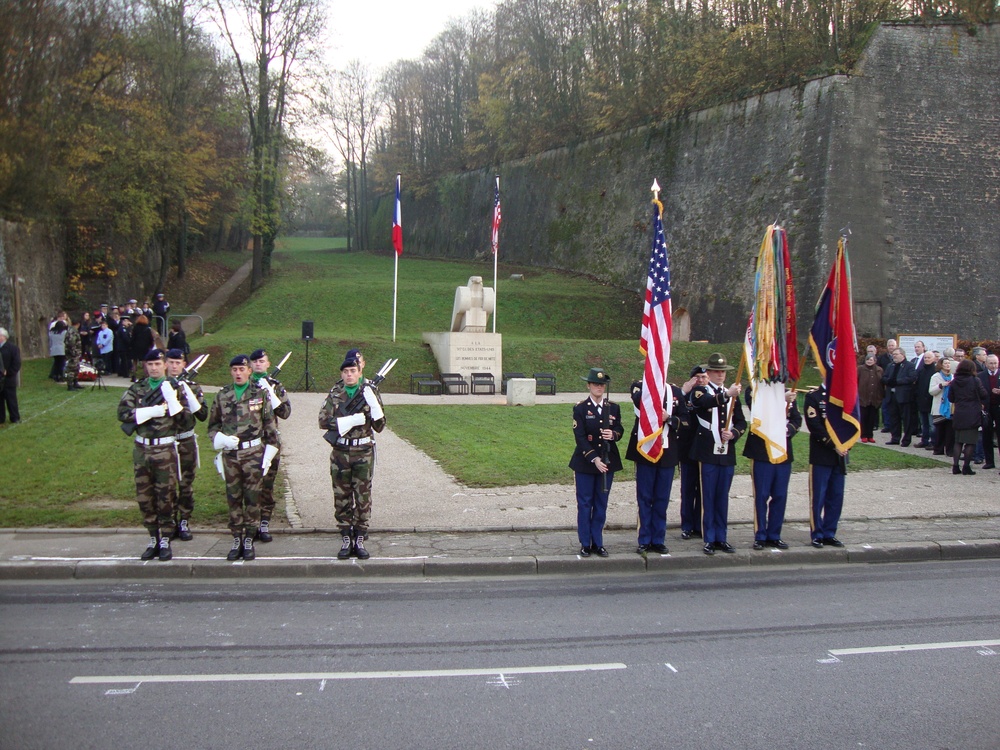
(187, 449)
(154, 457)
(283, 411)
(352, 462)
(251, 419)
(74, 350)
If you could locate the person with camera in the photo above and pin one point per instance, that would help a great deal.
(152, 411)
(597, 428)
(260, 363)
(242, 427)
(351, 415)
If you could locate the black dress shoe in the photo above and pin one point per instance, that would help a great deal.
(660, 549)
(817, 543)
(708, 549)
(758, 544)
(967, 470)
(988, 466)
(905, 443)
(687, 534)
(893, 442)
(832, 541)
(584, 551)
(642, 549)
(725, 547)
(777, 543)
(601, 552)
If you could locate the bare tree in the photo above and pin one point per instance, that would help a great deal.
(279, 34)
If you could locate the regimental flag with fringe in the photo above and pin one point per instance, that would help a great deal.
(654, 343)
(834, 345)
(771, 346)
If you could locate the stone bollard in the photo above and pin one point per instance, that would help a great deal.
(521, 392)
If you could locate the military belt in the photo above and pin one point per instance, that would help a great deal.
(185, 435)
(354, 443)
(249, 444)
(155, 441)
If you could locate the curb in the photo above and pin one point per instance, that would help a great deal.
(202, 569)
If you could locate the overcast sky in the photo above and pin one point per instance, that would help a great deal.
(379, 32)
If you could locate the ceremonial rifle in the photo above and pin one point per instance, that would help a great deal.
(276, 370)
(357, 403)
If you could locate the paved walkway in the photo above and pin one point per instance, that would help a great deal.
(218, 298)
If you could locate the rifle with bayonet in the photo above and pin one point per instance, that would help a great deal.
(191, 371)
(357, 403)
(153, 398)
(274, 373)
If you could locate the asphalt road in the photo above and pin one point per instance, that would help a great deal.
(788, 658)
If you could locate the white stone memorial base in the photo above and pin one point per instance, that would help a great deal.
(521, 392)
(466, 353)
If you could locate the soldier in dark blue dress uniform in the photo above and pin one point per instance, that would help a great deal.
(715, 449)
(827, 474)
(690, 488)
(653, 479)
(597, 427)
(770, 481)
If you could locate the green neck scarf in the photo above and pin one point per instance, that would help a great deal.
(154, 384)
(241, 389)
(257, 376)
(352, 389)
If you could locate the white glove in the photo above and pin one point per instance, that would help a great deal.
(174, 406)
(192, 400)
(346, 424)
(372, 400)
(225, 442)
(218, 465)
(145, 413)
(269, 453)
(271, 395)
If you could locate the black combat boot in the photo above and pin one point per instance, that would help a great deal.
(346, 546)
(184, 530)
(248, 550)
(236, 550)
(151, 549)
(164, 551)
(264, 533)
(359, 547)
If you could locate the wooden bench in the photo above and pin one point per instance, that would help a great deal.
(545, 382)
(507, 376)
(453, 382)
(485, 381)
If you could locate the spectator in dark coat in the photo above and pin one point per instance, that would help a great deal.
(871, 393)
(178, 339)
(142, 341)
(924, 400)
(123, 348)
(10, 367)
(969, 400)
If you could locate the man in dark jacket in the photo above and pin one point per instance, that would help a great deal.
(899, 377)
(990, 378)
(923, 400)
(10, 366)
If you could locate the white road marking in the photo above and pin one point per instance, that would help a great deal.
(671, 668)
(392, 674)
(910, 647)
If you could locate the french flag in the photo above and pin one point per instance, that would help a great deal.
(397, 223)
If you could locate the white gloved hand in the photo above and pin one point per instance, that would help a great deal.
(225, 442)
(346, 424)
(145, 413)
(270, 452)
(192, 399)
(372, 400)
(174, 406)
(271, 395)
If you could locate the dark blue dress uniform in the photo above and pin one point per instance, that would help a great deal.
(827, 474)
(593, 487)
(690, 472)
(716, 461)
(653, 479)
(770, 481)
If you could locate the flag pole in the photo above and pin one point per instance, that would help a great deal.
(496, 250)
(397, 241)
(395, 286)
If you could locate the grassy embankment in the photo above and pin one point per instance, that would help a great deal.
(77, 463)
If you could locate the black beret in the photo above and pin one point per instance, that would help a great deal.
(258, 354)
(154, 355)
(175, 354)
(239, 359)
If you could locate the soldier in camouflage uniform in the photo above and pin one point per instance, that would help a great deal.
(152, 410)
(74, 350)
(241, 424)
(187, 441)
(278, 397)
(352, 461)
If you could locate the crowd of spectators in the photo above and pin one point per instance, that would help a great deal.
(115, 337)
(946, 401)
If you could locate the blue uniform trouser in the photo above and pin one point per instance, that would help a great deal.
(652, 493)
(690, 497)
(770, 496)
(591, 507)
(826, 500)
(715, 483)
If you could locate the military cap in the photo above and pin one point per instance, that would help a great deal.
(154, 355)
(239, 359)
(698, 370)
(175, 354)
(716, 361)
(597, 375)
(258, 354)
(159, 295)
(350, 361)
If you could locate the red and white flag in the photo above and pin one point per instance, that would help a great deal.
(397, 223)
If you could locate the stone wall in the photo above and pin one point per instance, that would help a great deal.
(33, 261)
(905, 151)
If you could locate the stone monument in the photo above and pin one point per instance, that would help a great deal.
(467, 347)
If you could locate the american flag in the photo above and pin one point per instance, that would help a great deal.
(654, 343)
(397, 223)
(496, 218)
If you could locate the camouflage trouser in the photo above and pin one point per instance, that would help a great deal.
(351, 472)
(72, 368)
(187, 450)
(243, 480)
(156, 486)
(267, 490)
